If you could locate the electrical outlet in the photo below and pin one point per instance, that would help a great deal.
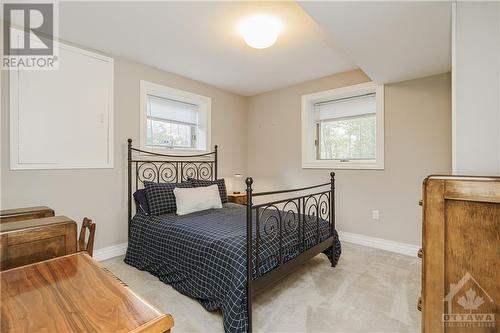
(375, 215)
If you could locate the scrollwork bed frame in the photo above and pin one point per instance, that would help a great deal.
(275, 217)
(150, 166)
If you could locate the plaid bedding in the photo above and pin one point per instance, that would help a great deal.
(203, 255)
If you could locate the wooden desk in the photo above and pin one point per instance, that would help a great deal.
(27, 213)
(30, 241)
(73, 294)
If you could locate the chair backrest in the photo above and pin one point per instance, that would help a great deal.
(83, 244)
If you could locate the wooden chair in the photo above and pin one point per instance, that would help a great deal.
(87, 246)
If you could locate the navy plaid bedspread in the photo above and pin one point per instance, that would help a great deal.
(203, 255)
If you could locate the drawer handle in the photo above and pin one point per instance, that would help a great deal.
(420, 253)
(419, 304)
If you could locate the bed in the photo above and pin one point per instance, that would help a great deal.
(208, 255)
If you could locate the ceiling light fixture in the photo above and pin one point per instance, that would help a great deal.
(260, 31)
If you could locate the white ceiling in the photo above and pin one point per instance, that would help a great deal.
(198, 40)
(390, 41)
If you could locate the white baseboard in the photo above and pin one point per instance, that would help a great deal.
(379, 243)
(110, 252)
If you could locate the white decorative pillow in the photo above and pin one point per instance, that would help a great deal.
(190, 200)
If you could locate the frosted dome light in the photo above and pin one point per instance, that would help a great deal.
(260, 31)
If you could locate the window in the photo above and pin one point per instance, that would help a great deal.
(174, 119)
(171, 124)
(343, 128)
(346, 128)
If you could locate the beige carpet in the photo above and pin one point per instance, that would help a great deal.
(369, 291)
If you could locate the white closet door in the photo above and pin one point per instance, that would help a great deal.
(63, 118)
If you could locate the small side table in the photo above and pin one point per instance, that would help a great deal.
(240, 198)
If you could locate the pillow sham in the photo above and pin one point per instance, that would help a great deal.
(190, 200)
(219, 182)
(141, 200)
(161, 198)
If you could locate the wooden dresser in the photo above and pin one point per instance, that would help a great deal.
(461, 254)
(29, 241)
(27, 213)
(73, 294)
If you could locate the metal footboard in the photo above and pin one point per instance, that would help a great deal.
(276, 219)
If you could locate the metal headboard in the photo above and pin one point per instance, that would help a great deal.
(161, 168)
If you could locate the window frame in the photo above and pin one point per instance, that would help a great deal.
(309, 133)
(204, 124)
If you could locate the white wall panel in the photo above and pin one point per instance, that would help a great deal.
(476, 72)
(63, 118)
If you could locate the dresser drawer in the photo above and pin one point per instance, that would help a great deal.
(30, 241)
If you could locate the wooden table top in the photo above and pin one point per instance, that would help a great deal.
(73, 294)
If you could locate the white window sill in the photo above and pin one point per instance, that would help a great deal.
(322, 164)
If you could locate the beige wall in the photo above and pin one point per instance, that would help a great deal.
(417, 143)
(101, 193)
(260, 136)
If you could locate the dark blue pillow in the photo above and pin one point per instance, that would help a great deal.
(161, 198)
(141, 200)
(204, 183)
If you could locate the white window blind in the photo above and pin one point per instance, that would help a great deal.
(346, 107)
(168, 109)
